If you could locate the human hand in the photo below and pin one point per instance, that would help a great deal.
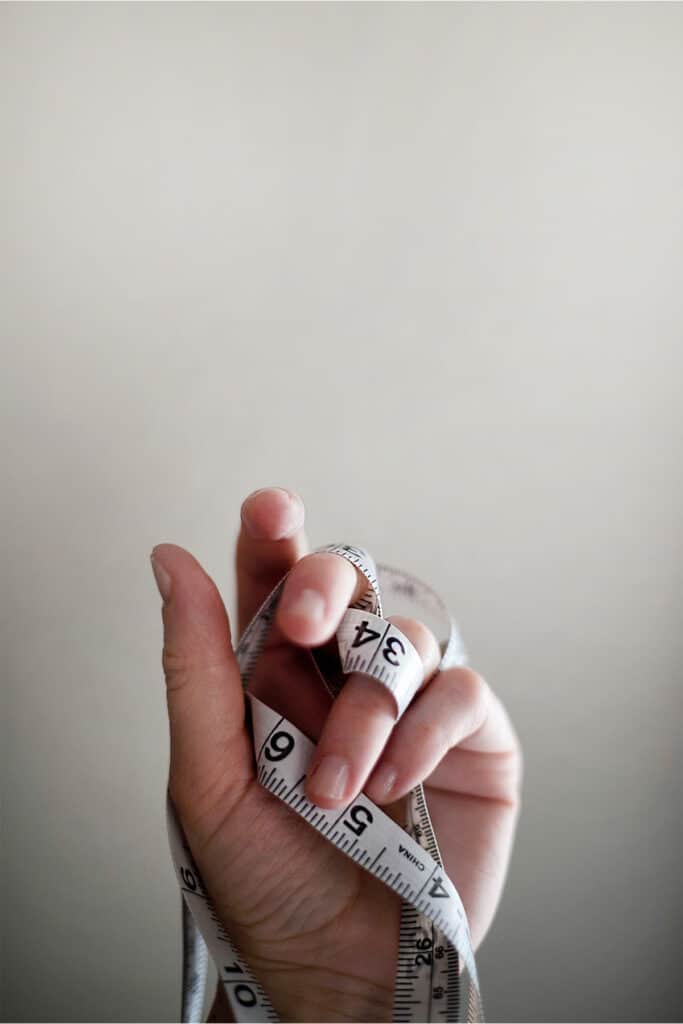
(303, 914)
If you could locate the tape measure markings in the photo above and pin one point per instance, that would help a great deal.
(433, 932)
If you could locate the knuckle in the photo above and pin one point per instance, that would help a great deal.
(174, 664)
(420, 636)
(199, 800)
(315, 560)
(431, 734)
(323, 565)
(365, 698)
(473, 693)
(181, 668)
(515, 751)
(408, 625)
(302, 574)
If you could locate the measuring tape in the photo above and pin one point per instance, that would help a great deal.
(436, 976)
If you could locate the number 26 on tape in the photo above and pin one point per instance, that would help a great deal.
(390, 650)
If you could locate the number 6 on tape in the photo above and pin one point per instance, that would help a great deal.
(434, 937)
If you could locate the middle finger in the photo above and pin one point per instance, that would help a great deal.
(358, 726)
(316, 594)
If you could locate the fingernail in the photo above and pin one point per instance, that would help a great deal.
(162, 577)
(330, 777)
(308, 604)
(289, 517)
(383, 780)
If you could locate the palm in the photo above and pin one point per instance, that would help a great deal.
(321, 933)
(303, 913)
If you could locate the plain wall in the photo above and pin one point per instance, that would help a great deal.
(423, 264)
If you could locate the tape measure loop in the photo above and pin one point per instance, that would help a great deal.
(434, 935)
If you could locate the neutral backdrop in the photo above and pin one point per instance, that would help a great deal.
(423, 264)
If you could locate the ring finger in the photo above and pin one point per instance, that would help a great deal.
(455, 706)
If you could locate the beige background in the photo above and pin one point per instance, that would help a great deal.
(423, 264)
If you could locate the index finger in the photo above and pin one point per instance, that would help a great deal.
(271, 540)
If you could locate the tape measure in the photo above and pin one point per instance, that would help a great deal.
(436, 976)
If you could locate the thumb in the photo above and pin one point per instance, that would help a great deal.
(211, 750)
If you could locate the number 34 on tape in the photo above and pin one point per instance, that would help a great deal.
(434, 939)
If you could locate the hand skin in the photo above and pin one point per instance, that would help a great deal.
(320, 933)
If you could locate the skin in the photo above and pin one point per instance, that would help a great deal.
(304, 915)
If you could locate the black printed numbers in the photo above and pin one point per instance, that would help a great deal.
(245, 995)
(392, 649)
(360, 819)
(188, 879)
(364, 634)
(424, 958)
(228, 968)
(191, 881)
(279, 746)
(389, 651)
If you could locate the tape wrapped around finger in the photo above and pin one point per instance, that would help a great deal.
(377, 648)
(434, 940)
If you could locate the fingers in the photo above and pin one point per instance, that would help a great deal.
(211, 757)
(358, 726)
(456, 710)
(316, 594)
(270, 541)
(447, 726)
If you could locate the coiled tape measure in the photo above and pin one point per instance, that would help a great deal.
(434, 937)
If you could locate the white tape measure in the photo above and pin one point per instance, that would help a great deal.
(434, 939)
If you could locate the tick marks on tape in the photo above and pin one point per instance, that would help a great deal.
(434, 935)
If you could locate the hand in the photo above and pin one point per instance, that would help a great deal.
(303, 914)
